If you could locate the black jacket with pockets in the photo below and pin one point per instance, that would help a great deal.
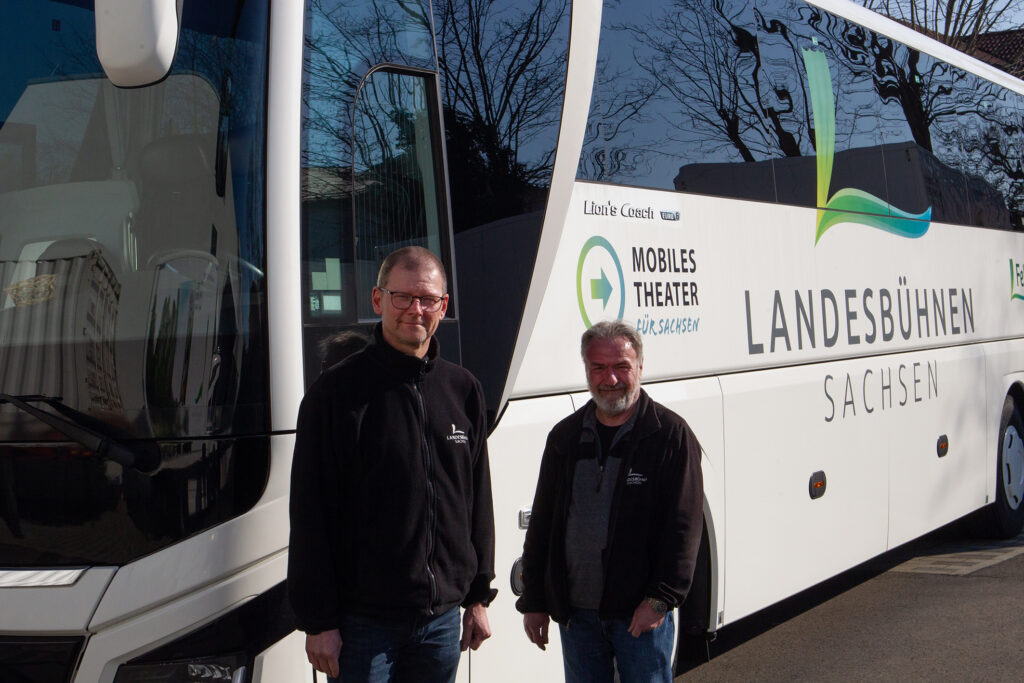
(655, 523)
(391, 495)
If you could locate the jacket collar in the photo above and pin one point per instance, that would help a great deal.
(647, 420)
(403, 365)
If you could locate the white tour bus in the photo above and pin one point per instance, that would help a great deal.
(812, 214)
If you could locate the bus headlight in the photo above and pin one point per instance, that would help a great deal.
(219, 669)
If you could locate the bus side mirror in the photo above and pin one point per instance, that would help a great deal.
(136, 40)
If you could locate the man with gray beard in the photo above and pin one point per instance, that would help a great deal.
(616, 522)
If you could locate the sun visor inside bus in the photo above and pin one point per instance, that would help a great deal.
(136, 39)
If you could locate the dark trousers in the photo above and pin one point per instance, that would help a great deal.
(381, 650)
(593, 649)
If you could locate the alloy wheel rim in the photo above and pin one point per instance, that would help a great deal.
(1013, 467)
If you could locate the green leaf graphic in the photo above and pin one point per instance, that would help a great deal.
(847, 205)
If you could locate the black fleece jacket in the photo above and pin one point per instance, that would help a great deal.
(390, 494)
(656, 517)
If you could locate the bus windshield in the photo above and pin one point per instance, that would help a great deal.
(131, 237)
(132, 264)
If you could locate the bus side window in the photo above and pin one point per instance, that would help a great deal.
(984, 128)
(1015, 151)
(397, 181)
(675, 105)
(391, 194)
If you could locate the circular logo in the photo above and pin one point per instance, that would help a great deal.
(594, 290)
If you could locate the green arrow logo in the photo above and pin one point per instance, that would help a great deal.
(601, 289)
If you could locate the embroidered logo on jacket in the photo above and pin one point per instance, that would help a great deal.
(635, 478)
(457, 436)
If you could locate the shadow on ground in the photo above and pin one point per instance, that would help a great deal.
(959, 535)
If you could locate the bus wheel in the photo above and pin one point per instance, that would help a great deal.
(1007, 514)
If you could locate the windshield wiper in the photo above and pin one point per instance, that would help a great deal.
(75, 426)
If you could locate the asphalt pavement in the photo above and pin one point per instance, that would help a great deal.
(943, 608)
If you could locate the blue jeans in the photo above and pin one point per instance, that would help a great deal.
(379, 650)
(592, 648)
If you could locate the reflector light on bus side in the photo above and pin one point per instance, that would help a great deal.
(816, 487)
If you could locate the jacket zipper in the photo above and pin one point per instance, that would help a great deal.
(431, 497)
(613, 522)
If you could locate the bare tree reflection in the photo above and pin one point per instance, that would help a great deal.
(692, 82)
(502, 67)
(344, 40)
(959, 23)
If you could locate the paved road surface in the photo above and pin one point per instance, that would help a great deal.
(942, 608)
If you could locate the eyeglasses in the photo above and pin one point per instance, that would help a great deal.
(403, 300)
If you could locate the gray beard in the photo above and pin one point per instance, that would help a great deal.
(617, 406)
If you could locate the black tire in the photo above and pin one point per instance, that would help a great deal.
(1006, 515)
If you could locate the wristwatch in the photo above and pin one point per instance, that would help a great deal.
(659, 606)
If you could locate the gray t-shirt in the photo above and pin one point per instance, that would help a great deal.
(586, 530)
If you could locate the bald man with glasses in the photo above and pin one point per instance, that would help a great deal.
(392, 525)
